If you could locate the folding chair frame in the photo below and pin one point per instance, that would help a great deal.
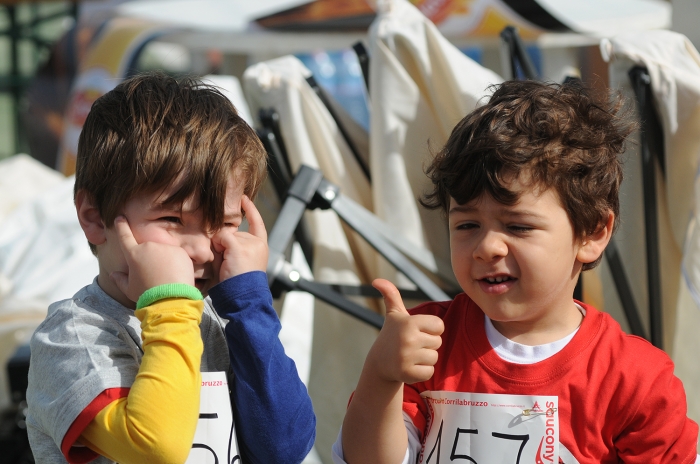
(310, 190)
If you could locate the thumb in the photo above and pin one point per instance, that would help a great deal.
(121, 279)
(392, 297)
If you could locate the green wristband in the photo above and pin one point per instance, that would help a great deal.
(164, 291)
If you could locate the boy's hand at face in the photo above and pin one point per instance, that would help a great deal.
(406, 348)
(149, 263)
(242, 251)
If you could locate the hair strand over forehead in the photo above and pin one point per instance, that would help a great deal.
(154, 131)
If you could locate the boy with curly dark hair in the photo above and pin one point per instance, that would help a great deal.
(514, 369)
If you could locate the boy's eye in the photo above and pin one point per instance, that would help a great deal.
(520, 228)
(173, 219)
(466, 226)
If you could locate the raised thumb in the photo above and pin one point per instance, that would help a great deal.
(391, 295)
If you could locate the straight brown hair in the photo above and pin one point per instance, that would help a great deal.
(154, 130)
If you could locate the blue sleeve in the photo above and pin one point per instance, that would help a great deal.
(275, 421)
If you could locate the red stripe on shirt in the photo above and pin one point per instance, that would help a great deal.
(83, 454)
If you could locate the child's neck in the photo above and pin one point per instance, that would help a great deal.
(110, 288)
(541, 332)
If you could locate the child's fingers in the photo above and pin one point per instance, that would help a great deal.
(256, 226)
(392, 297)
(429, 324)
(426, 357)
(431, 342)
(420, 373)
(216, 244)
(126, 237)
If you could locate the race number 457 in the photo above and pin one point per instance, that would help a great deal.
(490, 429)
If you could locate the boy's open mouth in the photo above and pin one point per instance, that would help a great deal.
(497, 285)
(497, 280)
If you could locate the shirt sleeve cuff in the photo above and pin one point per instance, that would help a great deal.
(164, 291)
(229, 291)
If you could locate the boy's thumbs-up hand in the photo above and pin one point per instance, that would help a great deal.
(406, 348)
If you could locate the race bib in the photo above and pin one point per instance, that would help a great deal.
(490, 429)
(215, 437)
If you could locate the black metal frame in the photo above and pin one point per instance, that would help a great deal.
(311, 80)
(363, 59)
(309, 190)
(281, 173)
(519, 59)
(652, 154)
(14, 444)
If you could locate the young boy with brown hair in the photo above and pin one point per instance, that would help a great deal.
(137, 367)
(514, 369)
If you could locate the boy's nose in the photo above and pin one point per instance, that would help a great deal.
(490, 246)
(199, 248)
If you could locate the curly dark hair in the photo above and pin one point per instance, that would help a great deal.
(153, 130)
(563, 136)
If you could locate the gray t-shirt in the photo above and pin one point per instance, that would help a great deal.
(88, 344)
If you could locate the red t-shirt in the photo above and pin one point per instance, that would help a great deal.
(618, 397)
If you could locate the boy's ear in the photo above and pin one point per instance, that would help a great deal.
(89, 218)
(592, 246)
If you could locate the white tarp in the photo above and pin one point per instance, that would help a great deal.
(21, 179)
(206, 14)
(44, 256)
(674, 68)
(604, 18)
(420, 87)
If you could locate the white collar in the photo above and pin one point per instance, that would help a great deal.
(518, 353)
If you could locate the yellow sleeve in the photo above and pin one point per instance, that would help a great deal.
(157, 420)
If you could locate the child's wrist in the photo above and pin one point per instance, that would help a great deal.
(161, 292)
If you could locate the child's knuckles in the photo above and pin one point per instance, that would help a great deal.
(431, 357)
(430, 324)
(410, 339)
(429, 342)
(408, 358)
(421, 320)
